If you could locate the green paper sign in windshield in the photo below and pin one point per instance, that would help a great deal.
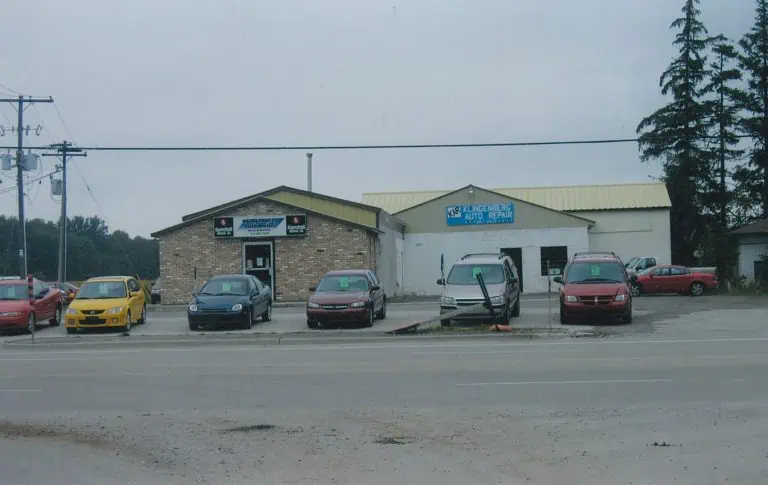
(226, 287)
(476, 271)
(344, 283)
(595, 270)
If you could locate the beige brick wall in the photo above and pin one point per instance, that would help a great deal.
(299, 261)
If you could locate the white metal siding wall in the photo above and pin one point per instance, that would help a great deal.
(422, 253)
(387, 260)
(631, 233)
(751, 249)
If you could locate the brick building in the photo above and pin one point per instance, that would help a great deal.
(286, 237)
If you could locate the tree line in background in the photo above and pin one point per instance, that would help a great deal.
(91, 250)
(712, 136)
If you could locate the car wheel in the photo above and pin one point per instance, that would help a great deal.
(312, 324)
(143, 318)
(267, 316)
(193, 326)
(128, 324)
(383, 312)
(516, 308)
(697, 289)
(503, 319)
(564, 320)
(635, 290)
(445, 323)
(71, 330)
(31, 322)
(248, 322)
(371, 318)
(56, 320)
(627, 317)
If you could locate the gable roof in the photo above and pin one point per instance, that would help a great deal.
(757, 227)
(571, 198)
(203, 215)
(267, 193)
(466, 187)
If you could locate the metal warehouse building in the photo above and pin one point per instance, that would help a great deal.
(535, 226)
(286, 237)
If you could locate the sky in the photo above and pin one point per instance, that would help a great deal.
(313, 72)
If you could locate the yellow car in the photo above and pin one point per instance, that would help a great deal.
(107, 302)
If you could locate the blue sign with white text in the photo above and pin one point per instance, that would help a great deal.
(465, 215)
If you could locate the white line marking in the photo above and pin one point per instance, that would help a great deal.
(536, 383)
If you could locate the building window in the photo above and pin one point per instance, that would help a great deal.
(553, 257)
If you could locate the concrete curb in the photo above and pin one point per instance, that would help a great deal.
(263, 339)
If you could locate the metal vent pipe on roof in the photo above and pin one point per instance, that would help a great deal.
(309, 172)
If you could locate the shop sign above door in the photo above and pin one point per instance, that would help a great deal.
(260, 226)
(465, 215)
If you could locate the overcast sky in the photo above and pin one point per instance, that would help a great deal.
(313, 72)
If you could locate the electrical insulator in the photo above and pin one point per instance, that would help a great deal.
(6, 161)
(31, 161)
(57, 187)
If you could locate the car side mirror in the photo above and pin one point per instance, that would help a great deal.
(375, 288)
(312, 288)
(194, 294)
(558, 279)
(633, 278)
(440, 281)
(135, 293)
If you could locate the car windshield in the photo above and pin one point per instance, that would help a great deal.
(102, 290)
(595, 272)
(466, 274)
(343, 283)
(14, 292)
(631, 262)
(225, 287)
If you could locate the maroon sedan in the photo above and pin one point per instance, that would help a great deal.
(18, 312)
(346, 296)
(674, 279)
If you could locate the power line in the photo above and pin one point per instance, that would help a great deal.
(9, 89)
(606, 141)
(30, 181)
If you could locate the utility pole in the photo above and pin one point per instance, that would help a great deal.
(22, 100)
(65, 150)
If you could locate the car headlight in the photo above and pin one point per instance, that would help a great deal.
(72, 311)
(237, 307)
(621, 297)
(447, 300)
(358, 304)
(497, 300)
(571, 299)
(10, 314)
(113, 311)
(312, 305)
(193, 308)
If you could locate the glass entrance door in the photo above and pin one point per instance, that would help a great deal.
(259, 262)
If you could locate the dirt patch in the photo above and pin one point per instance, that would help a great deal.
(390, 440)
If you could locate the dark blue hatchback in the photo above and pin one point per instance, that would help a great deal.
(225, 300)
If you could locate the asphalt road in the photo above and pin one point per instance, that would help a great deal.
(624, 410)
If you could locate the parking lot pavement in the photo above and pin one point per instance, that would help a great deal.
(710, 315)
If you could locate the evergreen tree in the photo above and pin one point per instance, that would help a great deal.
(677, 133)
(724, 108)
(752, 177)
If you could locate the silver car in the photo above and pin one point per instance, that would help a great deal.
(461, 288)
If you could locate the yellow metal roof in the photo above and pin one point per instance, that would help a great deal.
(571, 198)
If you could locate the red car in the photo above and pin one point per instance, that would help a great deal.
(595, 284)
(18, 312)
(674, 279)
(346, 296)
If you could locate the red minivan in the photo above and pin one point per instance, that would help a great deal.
(595, 284)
